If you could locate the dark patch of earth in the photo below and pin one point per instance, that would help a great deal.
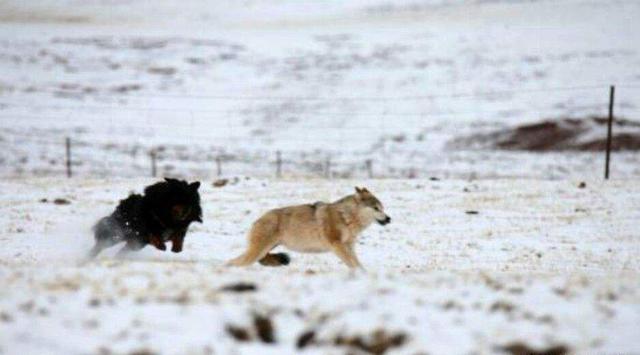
(565, 134)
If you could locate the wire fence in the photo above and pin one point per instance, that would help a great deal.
(476, 94)
(56, 149)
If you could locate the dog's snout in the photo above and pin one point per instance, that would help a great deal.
(385, 221)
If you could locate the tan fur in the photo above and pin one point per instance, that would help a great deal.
(318, 227)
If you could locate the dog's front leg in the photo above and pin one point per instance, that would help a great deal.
(157, 242)
(177, 240)
(342, 251)
(353, 256)
(338, 246)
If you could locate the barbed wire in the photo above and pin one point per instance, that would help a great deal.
(299, 113)
(230, 117)
(319, 98)
(107, 149)
(104, 140)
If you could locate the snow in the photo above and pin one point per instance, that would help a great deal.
(543, 262)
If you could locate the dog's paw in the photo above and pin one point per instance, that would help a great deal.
(176, 249)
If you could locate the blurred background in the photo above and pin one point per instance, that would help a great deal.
(331, 89)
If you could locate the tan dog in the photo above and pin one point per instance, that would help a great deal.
(317, 227)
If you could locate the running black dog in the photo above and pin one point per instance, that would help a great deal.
(162, 214)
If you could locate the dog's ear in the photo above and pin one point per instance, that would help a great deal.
(170, 180)
(358, 195)
(194, 185)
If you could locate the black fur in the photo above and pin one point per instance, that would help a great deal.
(275, 259)
(283, 258)
(162, 214)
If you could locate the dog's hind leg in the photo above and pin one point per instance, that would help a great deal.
(105, 235)
(131, 246)
(262, 238)
(97, 248)
(255, 252)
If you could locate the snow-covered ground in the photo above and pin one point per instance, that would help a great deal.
(542, 264)
(387, 81)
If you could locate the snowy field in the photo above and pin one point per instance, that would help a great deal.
(490, 251)
(387, 81)
(546, 265)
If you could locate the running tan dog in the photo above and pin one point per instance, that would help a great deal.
(313, 228)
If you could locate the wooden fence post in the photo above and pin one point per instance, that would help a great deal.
(219, 165)
(278, 164)
(369, 165)
(68, 155)
(327, 167)
(152, 155)
(612, 92)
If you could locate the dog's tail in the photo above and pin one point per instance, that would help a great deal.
(275, 259)
(105, 236)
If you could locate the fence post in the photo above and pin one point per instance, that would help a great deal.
(369, 165)
(327, 167)
(68, 155)
(278, 164)
(152, 155)
(612, 91)
(219, 165)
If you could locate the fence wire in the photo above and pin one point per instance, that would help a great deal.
(125, 149)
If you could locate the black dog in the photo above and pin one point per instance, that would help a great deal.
(163, 213)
